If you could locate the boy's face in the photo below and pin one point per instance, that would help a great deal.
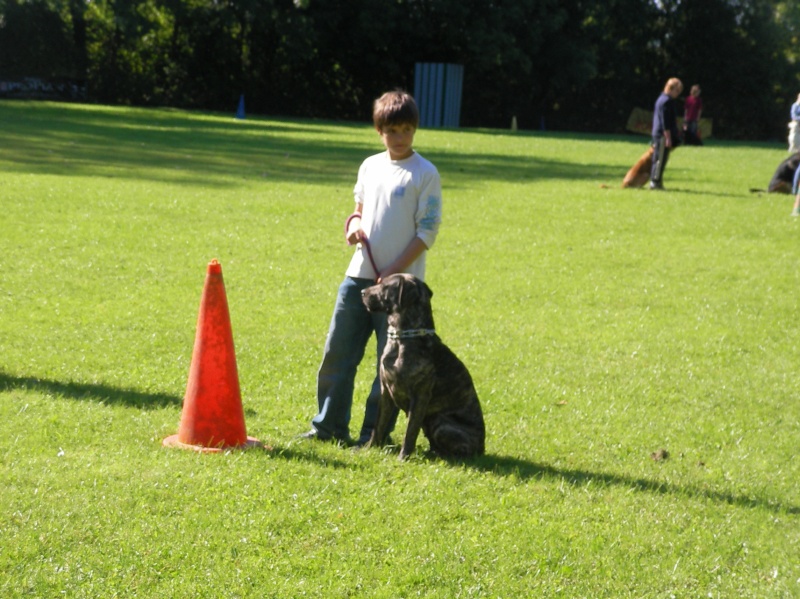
(399, 140)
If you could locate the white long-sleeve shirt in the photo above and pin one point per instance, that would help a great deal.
(401, 199)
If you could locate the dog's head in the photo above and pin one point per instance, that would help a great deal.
(396, 294)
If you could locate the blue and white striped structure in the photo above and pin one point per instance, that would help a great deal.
(437, 90)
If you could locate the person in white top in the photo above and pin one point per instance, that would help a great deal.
(794, 127)
(398, 210)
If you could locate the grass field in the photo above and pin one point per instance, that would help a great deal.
(601, 326)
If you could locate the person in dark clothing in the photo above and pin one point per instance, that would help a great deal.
(665, 130)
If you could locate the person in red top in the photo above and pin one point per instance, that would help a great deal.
(691, 117)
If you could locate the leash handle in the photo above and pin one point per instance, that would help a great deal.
(349, 220)
(364, 242)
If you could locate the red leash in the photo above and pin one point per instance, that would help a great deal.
(364, 242)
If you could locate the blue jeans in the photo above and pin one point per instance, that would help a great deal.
(796, 182)
(350, 330)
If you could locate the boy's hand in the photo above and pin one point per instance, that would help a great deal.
(353, 232)
(354, 235)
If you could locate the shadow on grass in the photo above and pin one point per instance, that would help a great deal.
(524, 469)
(90, 391)
(290, 454)
(743, 195)
(495, 464)
(197, 149)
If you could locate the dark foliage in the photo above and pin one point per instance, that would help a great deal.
(562, 64)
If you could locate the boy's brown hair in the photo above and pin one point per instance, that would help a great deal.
(395, 108)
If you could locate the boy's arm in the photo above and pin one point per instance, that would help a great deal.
(670, 123)
(412, 251)
(354, 232)
(428, 217)
(407, 257)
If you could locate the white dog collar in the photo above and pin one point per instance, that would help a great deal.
(393, 333)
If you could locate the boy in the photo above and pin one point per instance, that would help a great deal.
(398, 204)
(665, 130)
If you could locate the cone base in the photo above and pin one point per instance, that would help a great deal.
(172, 441)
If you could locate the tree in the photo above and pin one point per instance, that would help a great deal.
(36, 40)
(734, 49)
(565, 64)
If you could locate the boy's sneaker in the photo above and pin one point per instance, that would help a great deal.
(658, 186)
(796, 212)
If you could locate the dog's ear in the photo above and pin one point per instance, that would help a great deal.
(423, 292)
(401, 283)
(428, 292)
(416, 291)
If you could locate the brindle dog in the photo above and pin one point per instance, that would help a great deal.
(421, 376)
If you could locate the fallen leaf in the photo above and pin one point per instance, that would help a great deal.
(661, 454)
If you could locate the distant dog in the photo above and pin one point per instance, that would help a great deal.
(640, 172)
(783, 177)
(421, 376)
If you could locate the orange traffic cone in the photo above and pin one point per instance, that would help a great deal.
(212, 418)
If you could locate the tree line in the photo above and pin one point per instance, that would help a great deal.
(578, 65)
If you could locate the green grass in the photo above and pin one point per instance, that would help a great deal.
(600, 325)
